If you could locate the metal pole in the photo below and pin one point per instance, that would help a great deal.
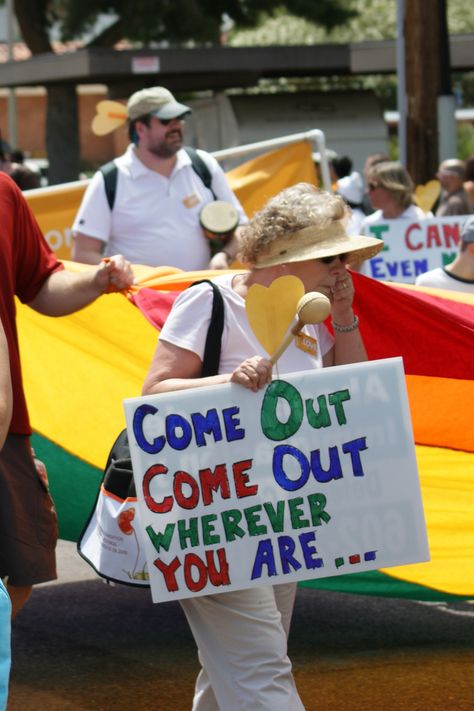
(401, 87)
(12, 132)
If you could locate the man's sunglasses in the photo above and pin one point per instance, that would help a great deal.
(330, 260)
(166, 122)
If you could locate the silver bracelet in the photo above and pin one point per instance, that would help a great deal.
(346, 329)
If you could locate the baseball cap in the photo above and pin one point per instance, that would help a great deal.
(156, 101)
(467, 229)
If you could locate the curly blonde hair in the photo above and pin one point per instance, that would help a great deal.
(291, 210)
(394, 178)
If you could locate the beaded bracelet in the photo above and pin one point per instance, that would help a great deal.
(346, 329)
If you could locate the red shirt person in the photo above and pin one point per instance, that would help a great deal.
(30, 271)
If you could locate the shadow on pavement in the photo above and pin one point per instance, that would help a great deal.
(86, 646)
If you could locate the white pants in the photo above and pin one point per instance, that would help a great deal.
(242, 646)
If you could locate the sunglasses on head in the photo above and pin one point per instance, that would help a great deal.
(330, 260)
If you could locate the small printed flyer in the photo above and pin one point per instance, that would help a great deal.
(313, 476)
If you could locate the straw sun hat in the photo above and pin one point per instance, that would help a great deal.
(315, 243)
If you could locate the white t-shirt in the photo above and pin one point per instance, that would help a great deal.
(441, 279)
(188, 321)
(155, 219)
(413, 212)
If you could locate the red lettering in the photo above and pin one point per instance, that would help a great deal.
(433, 236)
(241, 479)
(218, 577)
(167, 503)
(192, 560)
(451, 235)
(168, 571)
(181, 479)
(213, 481)
(408, 235)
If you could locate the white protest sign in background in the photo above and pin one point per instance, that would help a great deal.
(413, 247)
(313, 476)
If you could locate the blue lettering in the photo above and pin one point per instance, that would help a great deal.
(279, 473)
(206, 424)
(353, 448)
(138, 416)
(232, 424)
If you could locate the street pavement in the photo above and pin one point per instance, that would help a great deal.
(81, 645)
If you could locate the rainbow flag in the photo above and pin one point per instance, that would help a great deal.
(78, 369)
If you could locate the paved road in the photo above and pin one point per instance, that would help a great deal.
(81, 645)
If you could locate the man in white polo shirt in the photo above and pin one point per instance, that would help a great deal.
(158, 195)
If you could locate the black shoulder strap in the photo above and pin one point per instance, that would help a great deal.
(212, 349)
(110, 172)
(200, 168)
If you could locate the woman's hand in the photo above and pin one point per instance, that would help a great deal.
(341, 297)
(254, 373)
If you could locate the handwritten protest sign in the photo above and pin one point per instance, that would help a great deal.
(412, 248)
(315, 475)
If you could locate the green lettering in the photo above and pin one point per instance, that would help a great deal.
(190, 533)
(161, 540)
(271, 425)
(276, 517)
(209, 537)
(320, 419)
(252, 516)
(231, 520)
(337, 399)
(317, 502)
(296, 515)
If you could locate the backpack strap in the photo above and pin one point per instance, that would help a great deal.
(201, 169)
(212, 348)
(110, 173)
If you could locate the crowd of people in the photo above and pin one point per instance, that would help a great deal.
(153, 217)
(386, 192)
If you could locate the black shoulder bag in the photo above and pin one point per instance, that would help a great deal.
(111, 541)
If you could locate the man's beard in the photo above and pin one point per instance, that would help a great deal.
(167, 150)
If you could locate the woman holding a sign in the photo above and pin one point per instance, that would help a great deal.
(242, 634)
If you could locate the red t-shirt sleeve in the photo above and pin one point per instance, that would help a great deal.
(33, 259)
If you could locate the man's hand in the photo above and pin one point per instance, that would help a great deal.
(220, 260)
(114, 274)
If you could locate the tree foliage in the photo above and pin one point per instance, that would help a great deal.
(170, 21)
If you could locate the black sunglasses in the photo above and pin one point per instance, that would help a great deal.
(330, 260)
(165, 122)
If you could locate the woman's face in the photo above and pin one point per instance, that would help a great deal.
(319, 274)
(379, 197)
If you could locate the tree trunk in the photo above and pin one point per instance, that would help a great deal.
(427, 67)
(62, 133)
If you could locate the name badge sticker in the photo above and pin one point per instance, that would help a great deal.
(191, 200)
(307, 343)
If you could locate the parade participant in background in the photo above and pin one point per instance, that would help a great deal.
(391, 192)
(30, 271)
(454, 199)
(242, 636)
(351, 188)
(159, 196)
(459, 275)
(468, 184)
(372, 159)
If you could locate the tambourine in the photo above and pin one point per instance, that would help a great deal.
(218, 220)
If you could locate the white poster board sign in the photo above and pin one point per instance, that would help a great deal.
(313, 476)
(413, 247)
